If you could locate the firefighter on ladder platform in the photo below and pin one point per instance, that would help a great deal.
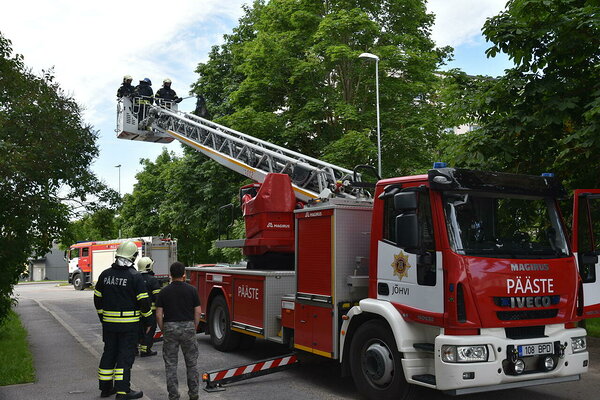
(144, 97)
(166, 96)
(153, 286)
(121, 299)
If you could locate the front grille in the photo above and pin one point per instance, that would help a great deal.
(526, 314)
(525, 332)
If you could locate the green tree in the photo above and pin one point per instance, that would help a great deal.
(290, 74)
(45, 151)
(100, 224)
(543, 114)
(180, 196)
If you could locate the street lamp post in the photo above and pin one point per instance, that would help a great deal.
(374, 57)
(119, 167)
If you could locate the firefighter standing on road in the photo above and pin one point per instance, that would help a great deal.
(153, 286)
(165, 95)
(121, 300)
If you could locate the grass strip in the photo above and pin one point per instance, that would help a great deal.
(593, 327)
(16, 362)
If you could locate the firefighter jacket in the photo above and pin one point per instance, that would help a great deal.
(153, 287)
(122, 300)
(144, 92)
(166, 94)
(125, 90)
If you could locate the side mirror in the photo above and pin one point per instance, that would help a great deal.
(589, 259)
(407, 232)
(587, 267)
(406, 201)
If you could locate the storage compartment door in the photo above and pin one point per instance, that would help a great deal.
(160, 255)
(248, 304)
(314, 330)
(314, 253)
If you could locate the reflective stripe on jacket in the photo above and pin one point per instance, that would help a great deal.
(121, 299)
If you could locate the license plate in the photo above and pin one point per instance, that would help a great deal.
(527, 350)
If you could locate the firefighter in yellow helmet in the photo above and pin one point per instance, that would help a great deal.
(144, 265)
(122, 301)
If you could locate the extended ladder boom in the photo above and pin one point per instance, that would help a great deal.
(249, 156)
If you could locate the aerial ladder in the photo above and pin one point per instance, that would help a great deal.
(252, 157)
(285, 179)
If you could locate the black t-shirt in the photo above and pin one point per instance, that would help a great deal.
(178, 301)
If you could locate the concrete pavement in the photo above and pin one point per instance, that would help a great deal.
(63, 364)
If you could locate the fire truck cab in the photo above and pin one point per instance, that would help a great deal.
(472, 276)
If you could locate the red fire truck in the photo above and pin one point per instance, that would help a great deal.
(87, 260)
(457, 280)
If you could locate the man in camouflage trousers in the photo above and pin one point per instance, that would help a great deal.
(178, 314)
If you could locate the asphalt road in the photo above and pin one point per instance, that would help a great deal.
(314, 378)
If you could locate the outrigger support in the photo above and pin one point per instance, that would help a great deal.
(215, 379)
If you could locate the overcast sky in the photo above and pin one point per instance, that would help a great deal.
(92, 44)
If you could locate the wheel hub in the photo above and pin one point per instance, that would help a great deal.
(378, 364)
(219, 322)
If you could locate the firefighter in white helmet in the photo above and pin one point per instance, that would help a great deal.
(145, 265)
(122, 300)
(126, 89)
(165, 95)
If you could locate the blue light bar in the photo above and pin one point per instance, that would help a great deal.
(548, 174)
(439, 164)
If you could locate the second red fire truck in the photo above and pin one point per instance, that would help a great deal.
(86, 260)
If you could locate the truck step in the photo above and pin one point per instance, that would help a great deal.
(276, 339)
(426, 378)
(214, 379)
(428, 347)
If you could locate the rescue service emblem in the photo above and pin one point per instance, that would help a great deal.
(400, 265)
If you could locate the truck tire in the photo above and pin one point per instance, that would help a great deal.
(376, 363)
(78, 282)
(221, 335)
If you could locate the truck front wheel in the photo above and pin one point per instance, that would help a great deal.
(221, 335)
(78, 282)
(376, 363)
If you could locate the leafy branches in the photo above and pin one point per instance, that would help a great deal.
(290, 74)
(543, 114)
(45, 149)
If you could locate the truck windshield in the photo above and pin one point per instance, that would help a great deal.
(499, 226)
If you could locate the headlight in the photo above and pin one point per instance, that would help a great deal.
(578, 344)
(464, 354)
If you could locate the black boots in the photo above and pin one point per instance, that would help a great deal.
(147, 353)
(131, 395)
(107, 392)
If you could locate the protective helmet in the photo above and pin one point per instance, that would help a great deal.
(127, 78)
(166, 80)
(148, 81)
(127, 250)
(145, 264)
